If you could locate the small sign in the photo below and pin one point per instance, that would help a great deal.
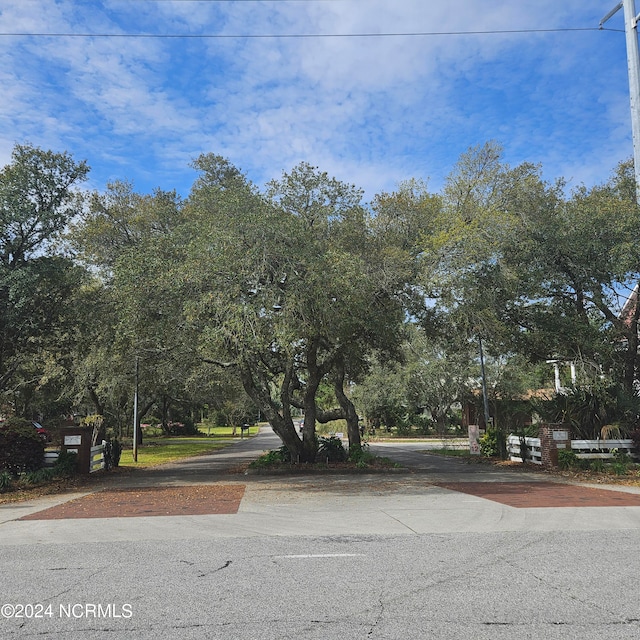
(72, 451)
(474, 439)
(72, 440)
(340, 435)
(560, 435)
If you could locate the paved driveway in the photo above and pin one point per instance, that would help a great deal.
(431, 494)
(417, 554)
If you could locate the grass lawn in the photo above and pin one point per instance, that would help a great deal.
(156, 451)
(205, 428)
(226, 432)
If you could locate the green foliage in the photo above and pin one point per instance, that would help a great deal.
(620, 468)
(361, 455)
(275, 457)
(622, 462)
(635, 436)
(382, 394)
(567, 459)
(424, 425)
(186, 428)
(21, 447)
(493, 444)
(41, 476)
(112, 453)
(37, 200)
(66, 465)
(6, 481)
(404, 426)
(589, 411)
(274, 299)
(285, 283)
(515, 258)
(332, 450)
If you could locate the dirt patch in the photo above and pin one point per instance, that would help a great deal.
(528, 495)
(149, 501)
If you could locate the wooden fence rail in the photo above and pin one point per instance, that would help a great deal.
(96, 461)
(585, 449)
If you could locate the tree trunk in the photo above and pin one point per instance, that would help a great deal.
(141, 414)
(282, 425)
(97, 405)
(631, 353)
(309, 443)
(165, 415)
(350, 413)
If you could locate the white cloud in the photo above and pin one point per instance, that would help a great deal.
(372, 110)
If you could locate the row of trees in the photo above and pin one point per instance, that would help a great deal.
(302, 297)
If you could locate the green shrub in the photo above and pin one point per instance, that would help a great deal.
(597, 465)
(493, 444)
(403, 428)
(332, 450)
(112, 453)
(620, 468)
(21, 447)
(271, 458)
(6, 480)
(283, 454)
(41, 476)
(622, 462)
(66, 465)
(363, 458)
(360, 455)
(621, 456)
(567, 459)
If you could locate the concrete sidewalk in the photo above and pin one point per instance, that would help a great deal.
(431, 496)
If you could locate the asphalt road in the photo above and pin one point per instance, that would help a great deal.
(371, 557)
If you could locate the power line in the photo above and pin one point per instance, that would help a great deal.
(224, 36)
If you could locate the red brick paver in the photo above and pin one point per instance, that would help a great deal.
(527, 495)
(148, 501)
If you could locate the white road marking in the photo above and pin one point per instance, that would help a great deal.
(325, 555)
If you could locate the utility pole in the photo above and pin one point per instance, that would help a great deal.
(485, 397)
(135, 412)
(633, 61)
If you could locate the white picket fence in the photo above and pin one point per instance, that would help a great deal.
(585, 449)
(533, 453)
(50, 458)
(96, 460)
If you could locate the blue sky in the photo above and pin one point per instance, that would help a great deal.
(372, 111)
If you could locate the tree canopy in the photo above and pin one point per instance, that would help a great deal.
(300, 297)
(37, 200)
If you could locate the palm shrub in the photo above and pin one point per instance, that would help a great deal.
(332, 450)
(589, 410)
